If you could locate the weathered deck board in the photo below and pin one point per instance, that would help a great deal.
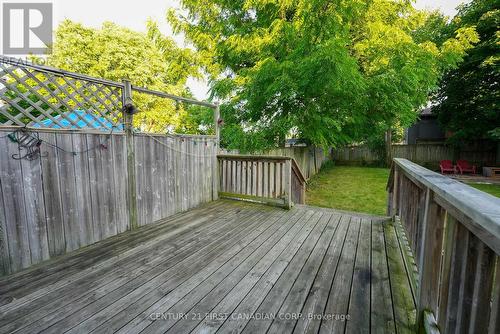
(405, 316)
(257, 268)
(381, 320)
(361, 282)
(338, 300)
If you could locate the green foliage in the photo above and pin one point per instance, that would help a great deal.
(467, 102)
(329, 72)
(148, 60)
(243, 136)
(495, 133)
(197, 120)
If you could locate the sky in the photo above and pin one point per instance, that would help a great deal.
(133, 14)
(446, 6)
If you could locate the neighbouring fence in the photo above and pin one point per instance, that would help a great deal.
(453, 230)
(274, 180)
(428, 155)
(308, 159)
(74, 171)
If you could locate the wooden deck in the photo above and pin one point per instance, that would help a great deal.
(225, 267)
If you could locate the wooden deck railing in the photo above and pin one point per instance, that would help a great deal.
(453, 230)
(267, 179)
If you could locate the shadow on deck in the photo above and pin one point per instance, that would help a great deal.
(229, 267)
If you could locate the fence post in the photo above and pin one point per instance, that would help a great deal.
(129, 140)
(216, 182)
(395, 193)
(287, 184)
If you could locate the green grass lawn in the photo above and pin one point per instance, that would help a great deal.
(359, 189)
(493, 189)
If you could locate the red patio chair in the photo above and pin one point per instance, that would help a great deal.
(446, 166)
(465, 167)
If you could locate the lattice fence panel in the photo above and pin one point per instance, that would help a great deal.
(29, 97)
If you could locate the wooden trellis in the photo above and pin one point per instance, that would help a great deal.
(32, 96)
(45, 97)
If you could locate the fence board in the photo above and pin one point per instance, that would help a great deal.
(121, 178)
(68, 192)
(35, 209)
(109, 174)
(4, 241)
(82, 190)
(15, 223)
(52, 194)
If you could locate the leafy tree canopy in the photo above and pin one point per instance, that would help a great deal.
(331, 72)
(467, 101)
(146, 59)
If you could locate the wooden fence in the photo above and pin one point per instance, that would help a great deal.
(73, 170)
(63, 201)
(453, 231)
(355, 155)
(308, 159)
(427, 155)
(272, 180)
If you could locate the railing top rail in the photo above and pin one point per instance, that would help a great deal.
(253, 157)
(483, 209)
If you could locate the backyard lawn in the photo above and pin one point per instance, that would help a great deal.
(359, 189)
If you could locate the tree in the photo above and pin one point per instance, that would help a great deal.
(330, 72)
(148, 60)
(467, 101)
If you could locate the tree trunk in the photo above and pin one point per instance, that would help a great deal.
(498, 153)
(388, 148)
